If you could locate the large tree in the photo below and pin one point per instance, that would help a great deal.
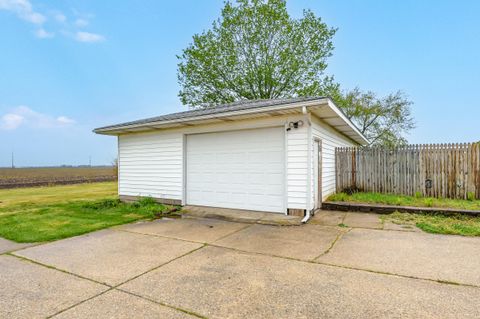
(383, 120)
(255, 51)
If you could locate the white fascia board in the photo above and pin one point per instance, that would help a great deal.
(259, 110)
(347, 121)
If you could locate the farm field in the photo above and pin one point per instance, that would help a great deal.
(29, 177)
(49, 213)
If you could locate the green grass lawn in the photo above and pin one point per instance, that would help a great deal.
(401, 200)
(438, 224)
(51, 213)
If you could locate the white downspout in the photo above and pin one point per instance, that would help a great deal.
(309, 168)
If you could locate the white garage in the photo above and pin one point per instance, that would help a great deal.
(266, 155)
(242, 169)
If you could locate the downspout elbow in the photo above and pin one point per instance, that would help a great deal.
(308, 215)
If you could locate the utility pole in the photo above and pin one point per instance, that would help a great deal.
(90, 161)
(13, 161)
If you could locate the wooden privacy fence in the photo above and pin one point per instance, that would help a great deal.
(433, 170)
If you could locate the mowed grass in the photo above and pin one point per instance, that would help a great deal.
(51, 213)
(402, 200)
(438, 224)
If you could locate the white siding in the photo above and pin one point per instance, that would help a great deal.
(150, 164)
(330, 139)
(297, 165)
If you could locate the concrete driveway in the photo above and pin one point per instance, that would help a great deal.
(206, 268)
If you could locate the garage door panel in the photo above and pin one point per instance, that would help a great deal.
(237, 169)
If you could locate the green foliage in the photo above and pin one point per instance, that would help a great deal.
(403, 200)
(145, 202)
(339, 197)
(383, 120)
(471, 196)
(256, 51)
(418, 195)
(428, 202)
(103, 204)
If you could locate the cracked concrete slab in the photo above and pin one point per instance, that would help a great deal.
(233, 215)
(327, 218)
(221, 283)
(436, 257)
(121, 305)
(388, 225)
(363, 220)
(109, 256)
(193, 229)
(8, 245)
(301, 242)
(29, 290)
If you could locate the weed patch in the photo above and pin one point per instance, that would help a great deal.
(438, 223)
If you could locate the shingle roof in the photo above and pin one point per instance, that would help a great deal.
(236, 106)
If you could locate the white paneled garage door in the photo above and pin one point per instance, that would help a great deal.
(237, 169)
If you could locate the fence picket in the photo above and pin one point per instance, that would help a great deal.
(452, 170)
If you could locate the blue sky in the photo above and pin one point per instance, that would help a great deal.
(67, 67)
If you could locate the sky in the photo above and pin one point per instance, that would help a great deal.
(67, 67)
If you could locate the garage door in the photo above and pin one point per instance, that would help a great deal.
(237, 169)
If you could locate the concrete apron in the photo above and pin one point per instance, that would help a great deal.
(242, 216)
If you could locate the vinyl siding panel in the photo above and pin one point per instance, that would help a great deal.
(297, 165)
(150, 164)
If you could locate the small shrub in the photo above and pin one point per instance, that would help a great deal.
(471, 196)
(342, 196)
(351, 190)
(418, 195)
(145, 202)
(428, 202)
(103, 204)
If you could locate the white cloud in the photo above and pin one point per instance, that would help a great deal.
(81, 23)
(42, 34)
(24, 10)
(65, 120)
(60, 17)
(11, 121)
(25, 116)
(88, 37)
(68, 27)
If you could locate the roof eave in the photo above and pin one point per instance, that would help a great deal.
(342, 115)
(188, 121)
(124, 129)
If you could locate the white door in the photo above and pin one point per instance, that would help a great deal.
(237, 169)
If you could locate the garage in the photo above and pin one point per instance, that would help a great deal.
(264, 155)
(242, 169)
